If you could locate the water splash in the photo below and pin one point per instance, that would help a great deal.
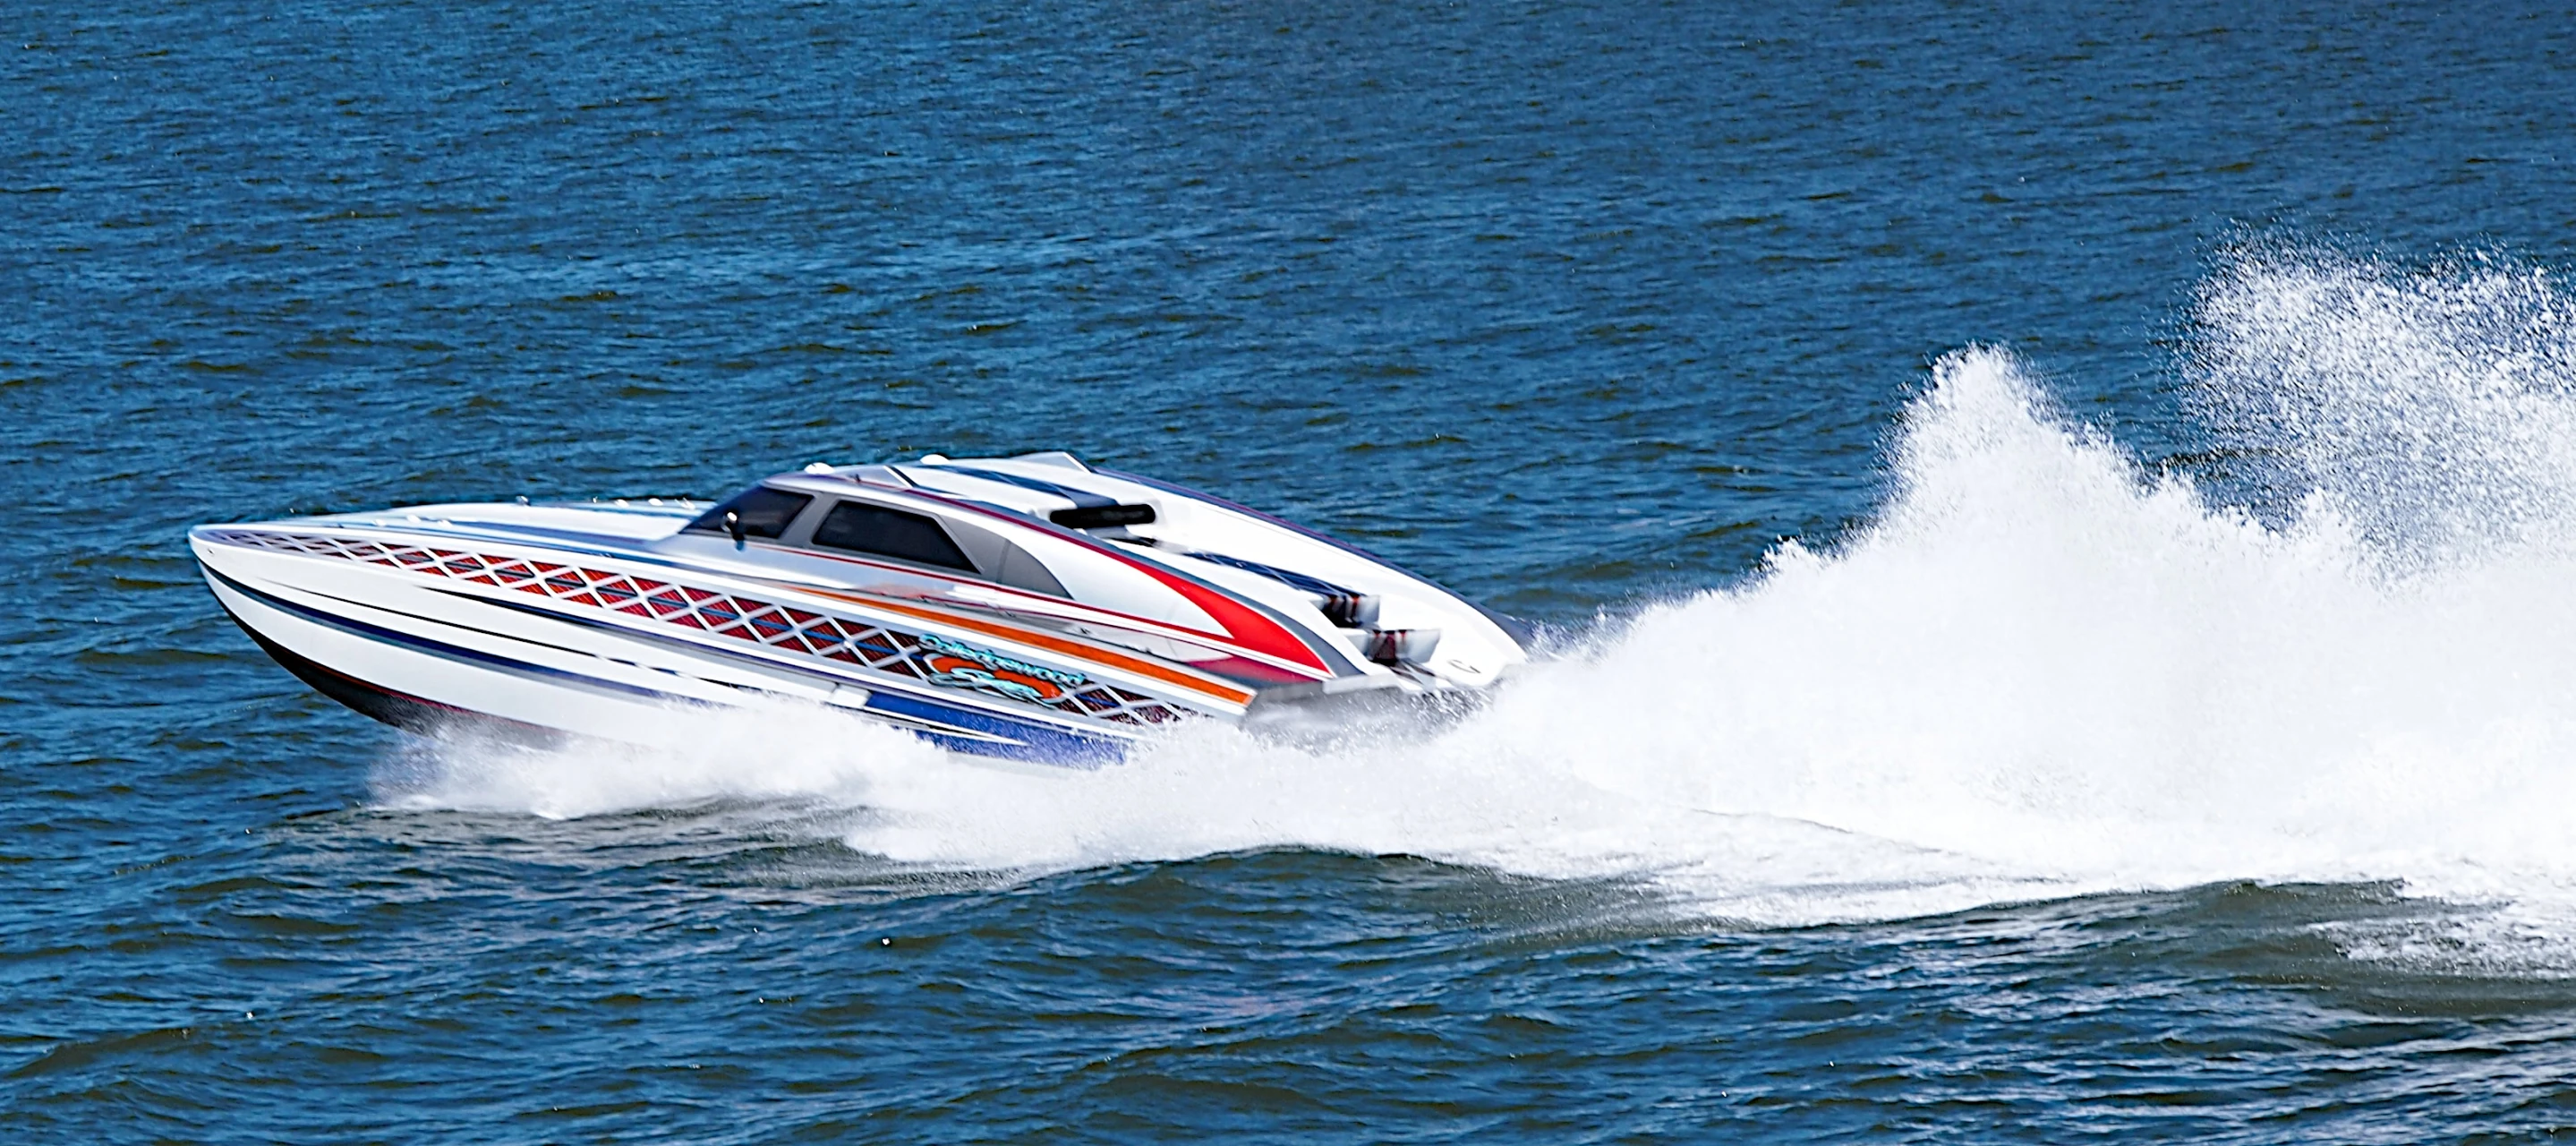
(2434, 408)
(699, 756)
(2040, 672)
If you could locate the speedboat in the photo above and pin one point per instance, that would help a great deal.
(1031, 607)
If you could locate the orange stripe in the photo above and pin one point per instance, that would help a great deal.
(1135, 665)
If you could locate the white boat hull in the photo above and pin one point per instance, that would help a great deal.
(604, 622)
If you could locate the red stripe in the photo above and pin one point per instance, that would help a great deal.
(1246, 626)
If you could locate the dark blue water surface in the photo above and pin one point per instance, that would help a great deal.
(1572, 306)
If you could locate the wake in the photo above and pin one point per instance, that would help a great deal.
(2040, 672)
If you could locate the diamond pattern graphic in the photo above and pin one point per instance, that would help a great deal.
(764, 623)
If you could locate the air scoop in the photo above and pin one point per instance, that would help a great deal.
(1102, 516)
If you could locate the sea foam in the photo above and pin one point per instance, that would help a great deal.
(2042, 670)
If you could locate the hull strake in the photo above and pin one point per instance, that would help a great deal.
(384, 692)
(402, 710)
(623, 598)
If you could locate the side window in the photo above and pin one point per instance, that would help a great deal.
(863, 528)
(765, 512)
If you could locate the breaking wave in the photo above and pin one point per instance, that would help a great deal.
(2042, 671)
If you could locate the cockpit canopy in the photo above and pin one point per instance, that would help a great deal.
(860, 526)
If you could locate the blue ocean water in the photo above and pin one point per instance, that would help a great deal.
(2056, 524)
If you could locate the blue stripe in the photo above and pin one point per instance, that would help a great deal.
(582, 537)
(1248, 511)
(338, 532)
(678, 511)
(1082, 499)
(436, 648)
(873, 680)
(1288, 577)
(1037, 743)
(870, 682)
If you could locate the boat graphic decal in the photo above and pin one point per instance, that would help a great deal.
(781, 628)
(1011, 668)
(1208, 685)
(982, 680)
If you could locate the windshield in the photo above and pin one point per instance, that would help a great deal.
(764, 512)
(875, 529)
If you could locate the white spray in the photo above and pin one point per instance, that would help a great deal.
(2040, 673)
